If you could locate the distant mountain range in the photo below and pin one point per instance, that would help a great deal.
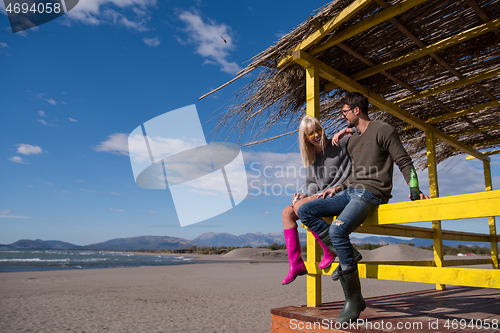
(123, 244)
(253, 240)
(39, 244)
(206, 240)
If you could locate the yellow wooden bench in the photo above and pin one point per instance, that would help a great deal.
(387, 220)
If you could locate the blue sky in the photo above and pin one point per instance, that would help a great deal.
(74, 88)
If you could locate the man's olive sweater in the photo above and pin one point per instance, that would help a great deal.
(373, 155)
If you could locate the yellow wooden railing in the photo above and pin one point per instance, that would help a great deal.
(387, 220)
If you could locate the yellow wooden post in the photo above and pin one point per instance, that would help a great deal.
(313, 249)
(491, 219)
(312, 92)
(434, 193)
(313, 280)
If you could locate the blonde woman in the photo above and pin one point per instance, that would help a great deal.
(327, 166)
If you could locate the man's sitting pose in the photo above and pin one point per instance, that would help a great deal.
(373, 148)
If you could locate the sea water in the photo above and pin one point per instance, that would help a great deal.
(50, 260)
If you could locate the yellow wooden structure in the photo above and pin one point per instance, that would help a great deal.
(388, 218)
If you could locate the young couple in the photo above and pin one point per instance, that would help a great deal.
(347, 177)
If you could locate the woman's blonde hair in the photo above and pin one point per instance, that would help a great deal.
(307, 149)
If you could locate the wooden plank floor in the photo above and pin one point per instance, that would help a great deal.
(457, 309)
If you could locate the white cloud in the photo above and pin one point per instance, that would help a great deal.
(207, 192)
(116, 143)
(72, 120)
(153, 212)
(116, 210)
(17, 159)
(14, 217)
(7, 211)
(41, 95)
(212, 40)
(41, 113)
(154, 42)
(163, 147)
(96, 12)
(140, 26)
(46, 123)
(26, 149)
(3, 44)
(279, 34)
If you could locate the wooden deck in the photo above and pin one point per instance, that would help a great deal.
(457, 309)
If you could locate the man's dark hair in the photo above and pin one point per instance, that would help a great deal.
(354, 99)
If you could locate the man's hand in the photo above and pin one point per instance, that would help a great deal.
(422, 196)
(330, 192)
(339, 135)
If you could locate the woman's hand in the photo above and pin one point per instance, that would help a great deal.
(339, 135)
(296, 197)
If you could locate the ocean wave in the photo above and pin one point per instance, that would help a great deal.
(34, 260)
(92, 259)
(183, 258)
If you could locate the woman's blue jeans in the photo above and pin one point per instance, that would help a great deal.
(351, 206)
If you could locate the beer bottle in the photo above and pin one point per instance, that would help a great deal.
(414, 190)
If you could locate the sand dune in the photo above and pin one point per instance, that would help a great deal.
(243, 253)
(394, 252)
(388, 252)
(397, 252)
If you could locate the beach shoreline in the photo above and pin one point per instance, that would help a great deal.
(228, 296)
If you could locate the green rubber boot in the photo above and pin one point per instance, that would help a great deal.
(325, 238)
(357, 257)
(354, 302)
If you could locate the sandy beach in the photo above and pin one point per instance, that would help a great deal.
(212, 297)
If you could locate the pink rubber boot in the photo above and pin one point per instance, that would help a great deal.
(293, 248)
(328, 256)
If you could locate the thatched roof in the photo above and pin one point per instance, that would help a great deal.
(277, 95)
